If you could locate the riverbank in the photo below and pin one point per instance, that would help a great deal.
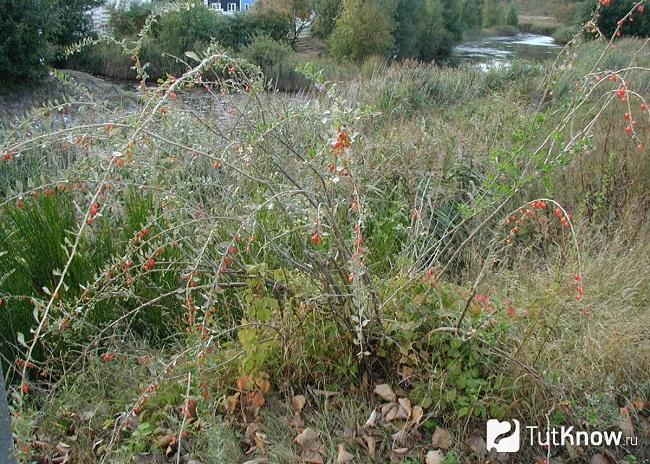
(55, 90)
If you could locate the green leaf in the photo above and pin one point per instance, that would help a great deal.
(192, 55)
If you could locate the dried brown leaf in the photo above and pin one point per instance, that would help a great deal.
(416, 414)
(385, 392)
(372, 420)
(308, 439)
(434, 457)
(442, 439)
(344, 457)
(297, 423)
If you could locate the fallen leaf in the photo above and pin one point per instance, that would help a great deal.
(477, 446)
(419, 298)
(371, 444)
(397, 455)
(626, 426)
(404, 410)
(442, 439)
(344, 457)
(416, 414)
(598, 459)
(263, 384)
(64, 453)
(298, 403)
(244, 382)
(389, 411)
(312, 457)
(399, 437)
(434, 457)
(297, 422)
(231, 403)
(257, 399)
(164, 441)
(385, 392)
(372, 420)
(308, 439)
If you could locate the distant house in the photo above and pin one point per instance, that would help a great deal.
(230, 6)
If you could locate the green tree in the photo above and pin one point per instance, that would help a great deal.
(511, 18)
(33, 34)
(266, 52)
(491, 13)
(432, 33)
(472, 14)
(326, 13)
(25, 49)
(608, 16)
(128, 21)
(69, 21)
(364, 28)
(187, 29)
(452, 12)
(408, 14)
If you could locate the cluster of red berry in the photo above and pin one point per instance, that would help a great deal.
(94, 211)
(431, 278)
(520, 217)
(137, 409)
(228, 259)
(579, 288)
(149, 265)
(565, 219)
(342, 143)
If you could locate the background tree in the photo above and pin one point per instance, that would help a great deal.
(472, 14)
(288, 10)
(452, 14)
(491, 13)
(608, 16)
(24, 47)
(33, 34)
(188, 29)
(127, 22)
(408, 14)
(70, 21)
(511, 18)
(364, 28)
(326, 12)
(431, 31)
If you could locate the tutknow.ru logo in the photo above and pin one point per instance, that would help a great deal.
(505, 437)
(502, 437)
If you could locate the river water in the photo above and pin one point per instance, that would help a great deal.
(497, 51)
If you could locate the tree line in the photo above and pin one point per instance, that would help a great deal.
(34, 33)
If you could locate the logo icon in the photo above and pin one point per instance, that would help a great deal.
(501, 437)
